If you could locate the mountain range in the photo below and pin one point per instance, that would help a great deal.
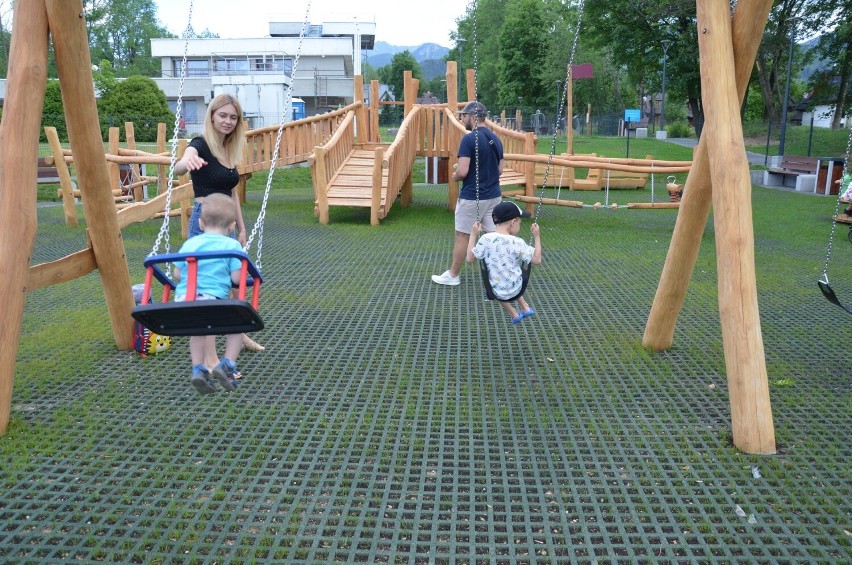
(429, 55)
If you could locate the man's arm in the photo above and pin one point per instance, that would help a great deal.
(462, 170)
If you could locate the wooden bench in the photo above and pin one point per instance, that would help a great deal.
(616, 179)
(46, 171)
(794, 171)
(565, 177)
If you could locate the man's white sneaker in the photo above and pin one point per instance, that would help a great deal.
(446, 278)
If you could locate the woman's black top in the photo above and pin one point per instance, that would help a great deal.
(213, 177)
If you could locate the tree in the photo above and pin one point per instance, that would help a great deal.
(120, 31)
(481, 50)
(831, 84)
(136, 99)
(53, 113)
(522, 44)
(393, 75)
(630, 33)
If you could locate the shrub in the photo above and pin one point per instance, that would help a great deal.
(679, 129)
(136, 99)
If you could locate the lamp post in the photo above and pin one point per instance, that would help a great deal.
(558, 102)
(459, 42)
(783, 136)
(666, 43)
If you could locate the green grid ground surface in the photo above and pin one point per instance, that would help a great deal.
(392, 420)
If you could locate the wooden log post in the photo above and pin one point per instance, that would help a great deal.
(69, 206)
(452, 86)
(452, 138)
(569, 112)
(74, 65)
(186, 203)
(19, 133)
(362, 129)
(162, 170)
(409, 93)
(113, 168)
(748, 383)
(470, 81)
(379, 164)
(374, 112)
(320, 184)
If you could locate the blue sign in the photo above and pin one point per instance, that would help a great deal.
(632, 115)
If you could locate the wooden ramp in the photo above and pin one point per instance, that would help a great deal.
(352, 185)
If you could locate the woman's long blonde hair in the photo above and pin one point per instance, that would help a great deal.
(231, 148)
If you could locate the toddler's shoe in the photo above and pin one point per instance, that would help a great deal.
(225, 373)
(201, 381)
(518, 319)
(528, 313)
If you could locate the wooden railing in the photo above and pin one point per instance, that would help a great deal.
(298, 140)
(398, 160)
(328, 158)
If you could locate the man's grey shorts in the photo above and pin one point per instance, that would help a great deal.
(466, 214)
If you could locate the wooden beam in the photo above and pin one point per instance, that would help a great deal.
(71, 45)
(748, 383)
(69, 206)
(19, 133)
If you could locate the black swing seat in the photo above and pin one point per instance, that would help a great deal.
(489, 291)
(829, 294)
(199, 317)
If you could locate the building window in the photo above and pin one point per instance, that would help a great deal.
(272, 64)
(194, 68)
(232, 66)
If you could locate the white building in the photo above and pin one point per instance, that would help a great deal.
(258, 70)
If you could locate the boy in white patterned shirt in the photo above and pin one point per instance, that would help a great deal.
(504, 254)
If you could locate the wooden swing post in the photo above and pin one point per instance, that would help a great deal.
(19, 133)
(720, 172)
(73, 63)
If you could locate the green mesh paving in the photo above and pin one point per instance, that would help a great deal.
(392, 420)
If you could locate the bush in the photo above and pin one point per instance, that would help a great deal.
(679, 129)
(53, 113)
(136, 99)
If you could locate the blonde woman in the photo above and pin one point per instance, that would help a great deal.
(211, 160)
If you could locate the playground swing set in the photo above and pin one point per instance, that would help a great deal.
(719, 174)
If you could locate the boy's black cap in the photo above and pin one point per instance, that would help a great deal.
(506, 211)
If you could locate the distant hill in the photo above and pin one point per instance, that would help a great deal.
(429, 55)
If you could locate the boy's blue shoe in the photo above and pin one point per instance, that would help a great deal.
(225, 373)
(528, 313)
(201, 381)
(518, 319)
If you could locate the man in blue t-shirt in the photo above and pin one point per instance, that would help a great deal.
(479, 169)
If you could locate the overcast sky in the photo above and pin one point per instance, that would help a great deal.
(398, 22)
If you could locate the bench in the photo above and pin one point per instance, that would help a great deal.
(616, 179)
(794, 171)
(46, 172)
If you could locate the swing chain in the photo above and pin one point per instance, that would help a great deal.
(562, 101)
(164, 229)
(837, 207)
